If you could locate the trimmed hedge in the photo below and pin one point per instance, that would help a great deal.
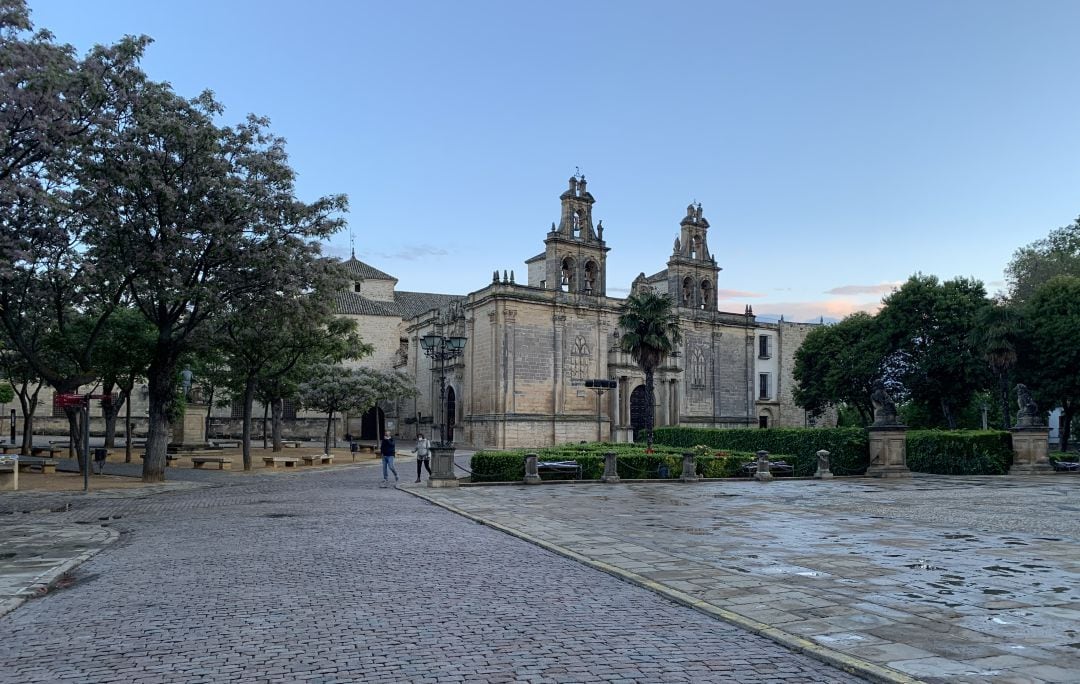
(633, 463)
(959, 452)
(849, 451)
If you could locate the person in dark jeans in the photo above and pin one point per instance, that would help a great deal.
(423, 455)
(387, 448)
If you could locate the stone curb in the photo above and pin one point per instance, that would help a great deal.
(843, 661)
(48, 579)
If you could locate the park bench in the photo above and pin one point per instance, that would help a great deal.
(170, 459)
(320, 459)
(288, 443)
(46, 465)
(283, 461)
(572, 467)
(9, 449)
(227, 444)
(39, 451)
(1065, 466)
(370, 446)
(776, 467)
(222, 462)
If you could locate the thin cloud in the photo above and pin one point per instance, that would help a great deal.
(737, 294)
(882, 288)
(412, 253)
(805, 312)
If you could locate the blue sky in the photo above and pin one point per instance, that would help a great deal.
(837, 147)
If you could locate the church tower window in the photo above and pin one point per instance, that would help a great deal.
(687, 292)
(567, 275)
(707, 296)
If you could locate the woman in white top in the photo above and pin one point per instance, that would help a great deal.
(423, 455)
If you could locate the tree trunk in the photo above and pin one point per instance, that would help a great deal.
(1003, 385)
(162, 385)
(1067, 412)
(111, 410)
(245, 439)
(276, 429)
(28, 401)
(329, 423)
(127, 430)
(266, 410)
(650, 418)
(946, 410)
(75, 435)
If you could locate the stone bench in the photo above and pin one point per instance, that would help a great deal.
(282, 461)
(227, 444)
(320, 459)
(290, 444)
(778, 467)
(47, 465)
(170, 459)
(52, 451)
(9, 449)
(1065, 465)
(369, 446)
(560, 467)
(9, 476)
(222, 462)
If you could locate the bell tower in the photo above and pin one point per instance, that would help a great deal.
(575, 256)
(692, 270)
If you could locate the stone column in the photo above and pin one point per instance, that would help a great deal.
(189, 432)
(442, 467)
(823, 471)
(1030, 450)
(689, 468)
(611, 472)
(763, 474)
(532, 476)
(888, 451)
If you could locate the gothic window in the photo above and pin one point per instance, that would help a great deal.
(697, 368)
(706, 295)
(567, 275)
(590, 277)
(687, 292)
(580, 357)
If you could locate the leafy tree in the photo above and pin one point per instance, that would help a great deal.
(7, 393)
(838, 364)
(27, 386)
(121, 357)
(336, 389)
(267, 343)
(1037, 263)
(996, 336)
(928, 326)
(1051, 355)
(199, 221)
(650, 333)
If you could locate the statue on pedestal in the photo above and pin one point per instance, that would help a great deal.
(1028, 415)
(884, 406)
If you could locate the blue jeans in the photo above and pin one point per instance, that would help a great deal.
(388, 462)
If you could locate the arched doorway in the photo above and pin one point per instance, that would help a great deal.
(372, 424)
(451, 412)
(640, 406)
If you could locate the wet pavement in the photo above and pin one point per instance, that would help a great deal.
(941, 579)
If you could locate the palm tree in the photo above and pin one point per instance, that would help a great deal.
(650, 334)
(996, 338)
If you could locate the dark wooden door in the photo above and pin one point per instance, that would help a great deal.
(639, 411)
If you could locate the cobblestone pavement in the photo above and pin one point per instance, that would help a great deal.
(323, 576)
(957, 579)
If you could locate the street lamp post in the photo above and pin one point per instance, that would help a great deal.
(441, 349)
(599, 385)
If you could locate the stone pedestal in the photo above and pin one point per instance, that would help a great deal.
(824, 472)
(442, 467)
(888, 451)
(1030, 450)
(763, 473)
(624, 434)
(9, 476)
(532, 475)
(611, 471)
(190, 431)
(689, 468)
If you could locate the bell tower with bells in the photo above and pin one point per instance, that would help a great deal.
(692, 270)
(575, 256)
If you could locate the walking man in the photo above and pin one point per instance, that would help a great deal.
(387, 448)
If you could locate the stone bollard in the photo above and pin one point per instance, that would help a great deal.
(823, 472)
(763, 474)
(611, 472)
(689, 468)
(531, 474)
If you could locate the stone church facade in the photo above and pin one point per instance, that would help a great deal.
(531, 346)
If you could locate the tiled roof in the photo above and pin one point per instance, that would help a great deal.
(413, 304)
(662, 275)
(358, 269)
(355, 304)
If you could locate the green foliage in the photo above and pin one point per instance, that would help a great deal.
(1043, 260)
(7, 392)
(633, 462)
(848, 447)
(650, 332)
(956, 452)
(838, 364)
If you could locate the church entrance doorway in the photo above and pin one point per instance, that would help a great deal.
(640, 406)
(372, 424)
(451, 411)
